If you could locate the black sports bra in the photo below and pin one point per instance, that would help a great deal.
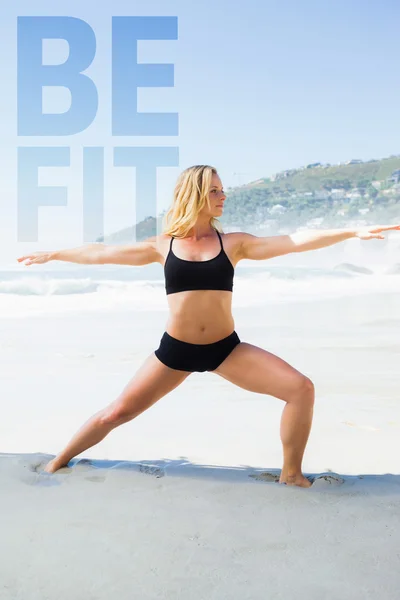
(214, 274)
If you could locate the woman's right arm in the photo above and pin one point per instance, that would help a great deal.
(140, 253)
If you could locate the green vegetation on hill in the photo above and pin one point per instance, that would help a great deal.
(332, 194)
(328, 177)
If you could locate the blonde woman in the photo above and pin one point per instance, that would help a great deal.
(199, 262)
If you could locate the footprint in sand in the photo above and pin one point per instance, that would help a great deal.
(268, 477)
(34, 475)
(323, 481)
(331, 479)
(37, 476)
(38, 468)
(151, 470)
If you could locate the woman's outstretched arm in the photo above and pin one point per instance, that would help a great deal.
(261, 248)
(139, 253)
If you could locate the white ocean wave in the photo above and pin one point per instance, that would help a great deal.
(23, 296)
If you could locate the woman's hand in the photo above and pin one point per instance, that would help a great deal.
(36, 258)
(369, 233)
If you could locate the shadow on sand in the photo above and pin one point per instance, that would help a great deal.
(96, 470)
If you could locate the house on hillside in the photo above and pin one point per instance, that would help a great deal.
(337, 193)
(394, 177)
(354, 194)
(284, 174)
(392, 191)
(389, 192)
(376, 184)
(277, 209)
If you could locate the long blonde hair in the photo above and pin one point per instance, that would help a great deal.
(190, 196)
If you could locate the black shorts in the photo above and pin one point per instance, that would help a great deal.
(195, 357)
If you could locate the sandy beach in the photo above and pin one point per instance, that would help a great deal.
(170, 529)
(183, 502)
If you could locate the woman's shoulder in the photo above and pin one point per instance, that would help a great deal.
(160, 241)
(234, 237)
(233, 243)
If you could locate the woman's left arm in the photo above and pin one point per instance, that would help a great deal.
(261, 248)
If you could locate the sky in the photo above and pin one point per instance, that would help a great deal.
(257, 87)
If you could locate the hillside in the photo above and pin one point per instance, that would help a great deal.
(322, 195)
(333, 193)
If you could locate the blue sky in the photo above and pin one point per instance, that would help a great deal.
(259, 86)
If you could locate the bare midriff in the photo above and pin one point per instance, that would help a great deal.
(200, 316)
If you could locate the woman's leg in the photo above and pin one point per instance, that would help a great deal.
(257, 370)
(151, 382)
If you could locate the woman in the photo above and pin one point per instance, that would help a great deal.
(200, 334)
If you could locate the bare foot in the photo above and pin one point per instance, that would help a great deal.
(52, 466)
(298, 480)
